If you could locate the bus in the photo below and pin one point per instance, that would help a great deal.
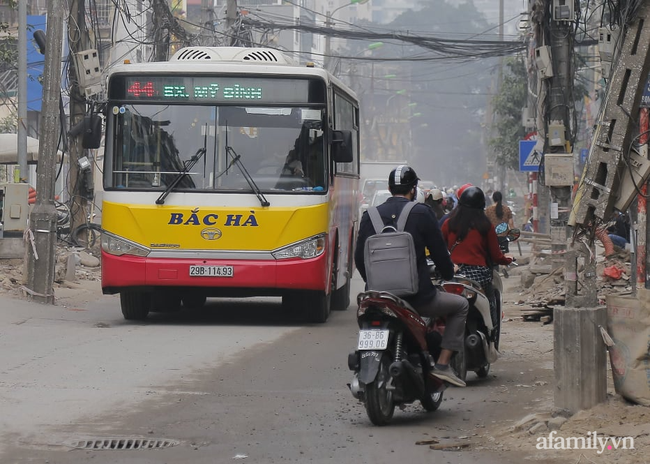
(229, 172)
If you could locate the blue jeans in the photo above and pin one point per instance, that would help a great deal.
(618, 240)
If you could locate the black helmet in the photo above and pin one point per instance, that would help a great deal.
(402, 176)
(472, 197)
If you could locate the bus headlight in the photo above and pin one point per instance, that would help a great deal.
(305, 249)
(117, 246)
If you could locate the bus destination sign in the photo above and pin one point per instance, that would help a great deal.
(201, 89)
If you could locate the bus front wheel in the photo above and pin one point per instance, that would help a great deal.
(317, 304)
(341, 298)
(135, 304)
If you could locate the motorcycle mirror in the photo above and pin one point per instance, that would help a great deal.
(501, 228)
(513, 234)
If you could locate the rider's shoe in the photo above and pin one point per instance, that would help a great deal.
(447, 374)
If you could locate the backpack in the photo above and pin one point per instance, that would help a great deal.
(389, 256)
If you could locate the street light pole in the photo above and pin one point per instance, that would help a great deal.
(21, 147)
(328, 24)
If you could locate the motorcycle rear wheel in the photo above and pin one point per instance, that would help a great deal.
(431, 401)
(483, 371)
(378, 400)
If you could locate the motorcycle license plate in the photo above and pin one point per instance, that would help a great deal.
(212, 271)
(373, 339)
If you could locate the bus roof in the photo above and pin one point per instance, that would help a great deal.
(231, 60)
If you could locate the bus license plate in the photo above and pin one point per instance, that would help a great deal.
(212, 271)
(373, 339)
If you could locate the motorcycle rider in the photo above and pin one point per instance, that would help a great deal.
(434, 200)
(462, 188)
(499, 213)
(428, 302)
(473, 243)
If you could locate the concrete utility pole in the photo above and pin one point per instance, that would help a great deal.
(207, 14)
(23, 173)
(79, 41)
(41, 253)
(231, 19)
(501, 167)
(328, 44)
(559, 132)
(579, 353)
(160, 39)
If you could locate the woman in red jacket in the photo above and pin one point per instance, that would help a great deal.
(473, 243)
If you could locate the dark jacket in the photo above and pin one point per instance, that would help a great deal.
(436, 206)
(423, 226)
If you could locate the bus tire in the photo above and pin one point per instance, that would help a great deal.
(135, 304)
(341, 298)
(318, 306)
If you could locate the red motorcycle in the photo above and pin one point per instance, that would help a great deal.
(392, 363)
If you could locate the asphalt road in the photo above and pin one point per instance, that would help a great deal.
(237, 382)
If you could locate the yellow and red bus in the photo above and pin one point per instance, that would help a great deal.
(229, 172)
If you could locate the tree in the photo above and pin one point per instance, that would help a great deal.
(9, 124)
(8, 51)
(508, 104)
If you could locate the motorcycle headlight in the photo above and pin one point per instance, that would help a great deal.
(117, 246)
(305, 249)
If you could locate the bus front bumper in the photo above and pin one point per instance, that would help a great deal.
(123, 272)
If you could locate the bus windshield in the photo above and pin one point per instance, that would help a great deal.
(150, 145)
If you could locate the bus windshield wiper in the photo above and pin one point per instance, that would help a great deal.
(237, 160)
(187, 166)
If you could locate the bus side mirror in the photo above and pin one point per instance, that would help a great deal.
(92, 135)
(342, 146)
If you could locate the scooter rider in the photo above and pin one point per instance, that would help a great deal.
(473, 242)
(423, 226)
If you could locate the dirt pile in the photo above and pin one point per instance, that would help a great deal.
(76, 270)
(545, 287)
(612, 432)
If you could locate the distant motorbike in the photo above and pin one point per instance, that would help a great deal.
(482, 330)
(393, 358)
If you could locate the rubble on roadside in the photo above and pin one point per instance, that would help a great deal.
(72, 264)
(544, 287)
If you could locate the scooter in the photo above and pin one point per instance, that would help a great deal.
(394, 355)
(482, 332)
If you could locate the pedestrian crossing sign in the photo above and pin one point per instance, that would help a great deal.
(529, 159)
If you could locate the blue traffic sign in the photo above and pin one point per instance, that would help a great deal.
(529, 159)
(645, 98)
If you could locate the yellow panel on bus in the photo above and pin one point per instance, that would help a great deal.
(232, 228)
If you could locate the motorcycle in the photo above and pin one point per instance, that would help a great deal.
(482, 331)
(393, 359)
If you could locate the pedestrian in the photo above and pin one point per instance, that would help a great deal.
(488, 197)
